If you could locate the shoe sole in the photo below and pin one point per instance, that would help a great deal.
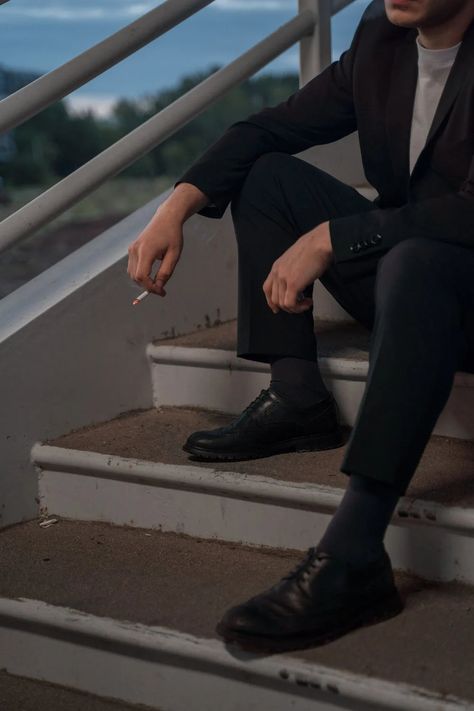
(383, 610)
(312, 443)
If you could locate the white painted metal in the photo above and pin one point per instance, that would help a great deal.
(315, 50)
(167, 669)
(72, 347)
(228, 383)
(429, 539)
(140, 141)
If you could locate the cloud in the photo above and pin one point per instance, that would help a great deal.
(62, 13)
(99, 105)
(255, 5)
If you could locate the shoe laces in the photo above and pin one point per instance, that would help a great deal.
(311, 560)
(254, 402)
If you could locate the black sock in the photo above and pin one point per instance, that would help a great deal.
(356, 532)
(298, 380)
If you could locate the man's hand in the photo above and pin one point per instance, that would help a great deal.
(304, 262)
(161, 239)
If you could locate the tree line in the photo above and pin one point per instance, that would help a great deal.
(56, 142)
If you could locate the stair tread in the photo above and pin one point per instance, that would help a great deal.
(444, 473)
(138, 575)
(20, 694)
(344, 339)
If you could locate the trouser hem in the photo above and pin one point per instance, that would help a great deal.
(379, 476)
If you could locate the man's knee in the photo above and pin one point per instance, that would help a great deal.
(263, 179)
(408, 273)
(412, 257)
(270, 165)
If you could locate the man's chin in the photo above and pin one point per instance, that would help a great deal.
(402, 19)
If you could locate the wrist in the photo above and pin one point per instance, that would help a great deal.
(185, 200)
(321, 237)
(173, 213)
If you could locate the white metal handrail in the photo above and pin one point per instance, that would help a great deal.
(314, 55)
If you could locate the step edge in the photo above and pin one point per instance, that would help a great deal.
(219, 358)
(315, 497)
(40, 617)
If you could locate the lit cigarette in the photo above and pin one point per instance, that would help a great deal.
(139, 298)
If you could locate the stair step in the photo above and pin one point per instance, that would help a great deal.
(345, 339)
(181, 586)
(444, 473)
(132, 470)
(21, 694)
(202, 370)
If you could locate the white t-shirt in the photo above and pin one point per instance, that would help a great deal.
(434, 66)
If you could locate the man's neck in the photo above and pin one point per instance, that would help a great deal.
(449, 33)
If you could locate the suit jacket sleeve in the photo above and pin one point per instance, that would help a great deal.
(321, 111)
(448, 217)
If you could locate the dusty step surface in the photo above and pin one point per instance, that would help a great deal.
(187, 584)
(341, 339)
(445, 472)
(20, 694)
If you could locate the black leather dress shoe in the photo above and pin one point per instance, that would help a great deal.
(270, 425)
(321, 599)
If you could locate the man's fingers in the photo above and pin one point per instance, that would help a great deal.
(274, 296)
(143, 271)
(166, 269)
(267, 289)
(303, 305)
(132, 262)
(282, 289)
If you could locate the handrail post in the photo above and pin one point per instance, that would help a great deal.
(315, 50)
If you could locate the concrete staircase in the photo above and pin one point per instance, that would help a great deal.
(120, 597)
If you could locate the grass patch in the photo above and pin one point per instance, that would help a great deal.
(117, 196)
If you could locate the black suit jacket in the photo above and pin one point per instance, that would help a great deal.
(371, 89)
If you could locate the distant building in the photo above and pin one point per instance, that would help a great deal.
(10, 81)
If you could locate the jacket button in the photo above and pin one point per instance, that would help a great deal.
(378, 237)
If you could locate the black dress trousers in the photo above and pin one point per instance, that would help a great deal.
(418, 304)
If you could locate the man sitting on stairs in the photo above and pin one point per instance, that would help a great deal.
(402, 265)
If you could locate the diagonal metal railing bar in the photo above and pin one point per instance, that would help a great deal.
(137, 143)
(44, 91)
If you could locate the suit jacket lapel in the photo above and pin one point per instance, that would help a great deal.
(460, 72)
(402, 87)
